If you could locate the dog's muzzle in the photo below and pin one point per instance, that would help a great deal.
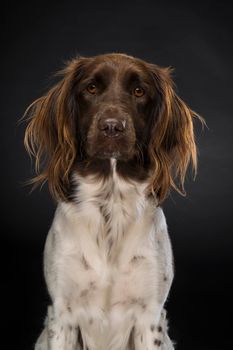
(111, 127)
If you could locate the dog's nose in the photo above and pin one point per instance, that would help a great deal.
(111, 127)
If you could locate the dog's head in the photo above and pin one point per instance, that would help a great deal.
(112, 106)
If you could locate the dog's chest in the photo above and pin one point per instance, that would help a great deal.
(107, 230)
(108, 255)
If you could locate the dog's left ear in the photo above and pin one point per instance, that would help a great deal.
(51, 134)
(172, 144)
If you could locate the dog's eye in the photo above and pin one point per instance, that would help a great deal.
(92, 89)
(139, 92)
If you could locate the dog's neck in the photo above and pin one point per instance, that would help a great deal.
(114, 200)
(115, 173)
(104, 168)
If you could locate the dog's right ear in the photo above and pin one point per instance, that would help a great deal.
(51, 134)
(172, 145)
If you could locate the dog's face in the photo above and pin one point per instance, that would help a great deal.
(107, 106)
(115, 98)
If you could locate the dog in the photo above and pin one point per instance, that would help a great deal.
(111, 139)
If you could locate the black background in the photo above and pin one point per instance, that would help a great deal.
(196, 39)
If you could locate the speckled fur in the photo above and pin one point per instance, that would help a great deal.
(108, 268)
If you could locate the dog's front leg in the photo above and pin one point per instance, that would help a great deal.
(57, 334)
(152, 335)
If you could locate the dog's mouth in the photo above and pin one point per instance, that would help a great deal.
(111, 138)
(110, 147)
(111, 154)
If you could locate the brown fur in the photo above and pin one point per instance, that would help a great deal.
(158, 141)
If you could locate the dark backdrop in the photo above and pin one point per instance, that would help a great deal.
(196, 39)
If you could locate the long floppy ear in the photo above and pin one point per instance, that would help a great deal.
(50, 136)
(172, 144)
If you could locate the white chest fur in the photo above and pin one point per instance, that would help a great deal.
(108, 260)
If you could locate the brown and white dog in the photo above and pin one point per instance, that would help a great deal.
(111, 139)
